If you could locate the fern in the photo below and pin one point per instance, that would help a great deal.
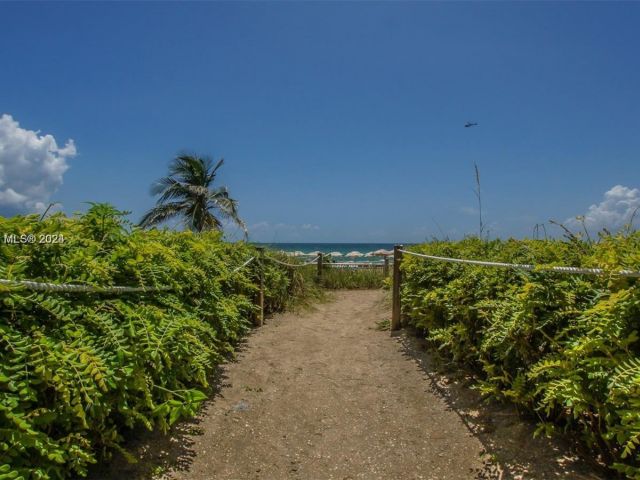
(564, 348)
(77, 370)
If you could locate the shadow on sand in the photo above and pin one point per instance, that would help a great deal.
(157, 453)
(510, 451)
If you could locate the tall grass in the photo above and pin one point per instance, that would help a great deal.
(356, 278)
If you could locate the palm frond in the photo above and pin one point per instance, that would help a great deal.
(220, 200)
(214, 171)
(186, 192)
(162, 213)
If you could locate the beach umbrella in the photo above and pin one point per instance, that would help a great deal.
(382, 252)
(335, 254)
(369, 254)
(297, 253)
(353, 254)
(313, 254)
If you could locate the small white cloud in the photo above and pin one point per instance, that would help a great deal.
(31, 166)
(612, 213)
(265, 229)
(259, 226)
(283, 226)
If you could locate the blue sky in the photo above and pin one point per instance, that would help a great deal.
(338, 121)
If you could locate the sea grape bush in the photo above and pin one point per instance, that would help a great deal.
(562, 347)
(77, 369)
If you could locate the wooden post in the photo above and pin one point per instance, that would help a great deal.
(386, 266)
(397, 279)
(320, 266)
(260, 317)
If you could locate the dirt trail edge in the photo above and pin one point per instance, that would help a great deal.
(324, 395)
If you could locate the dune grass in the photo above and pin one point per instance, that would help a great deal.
(347, 278)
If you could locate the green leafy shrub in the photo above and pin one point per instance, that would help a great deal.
(300, 289)
(562, 347)
(78, 369)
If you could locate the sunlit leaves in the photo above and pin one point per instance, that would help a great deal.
(78, 369)
(563, 347)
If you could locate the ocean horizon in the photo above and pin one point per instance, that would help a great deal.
(326, 247)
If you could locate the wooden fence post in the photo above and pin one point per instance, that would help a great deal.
(260, 317)
(397, 279)
(385, 269)
(320, 266)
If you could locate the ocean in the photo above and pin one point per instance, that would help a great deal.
(343, 248)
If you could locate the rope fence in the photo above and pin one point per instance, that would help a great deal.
(260, 294)
(525, 266)
(237, 269)
(293, 265)
(355, 264)
(79, 288)
(70, 287)
(399, 251)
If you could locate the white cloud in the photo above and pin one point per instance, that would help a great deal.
(31, 165)
(613, 212)
(259, 226)
(268, 231)
(264, 225)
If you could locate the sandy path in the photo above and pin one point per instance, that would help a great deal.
(325, 395)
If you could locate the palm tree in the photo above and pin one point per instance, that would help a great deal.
(187, 192)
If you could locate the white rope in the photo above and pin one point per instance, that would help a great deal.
(293, 264)
(311, 262)
(70, 287)
(235, 270)
(524, 266)
(354, 264)
(275, 260)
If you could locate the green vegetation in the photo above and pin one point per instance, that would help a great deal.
(188, 192)
(77, 370)
(563, 348)
(301, 290)
(352, 278)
